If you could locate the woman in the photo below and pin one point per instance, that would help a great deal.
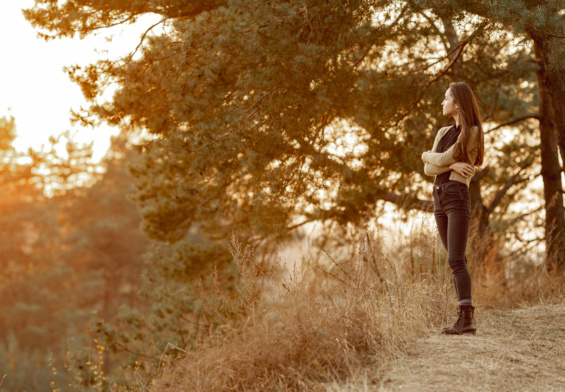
(457, 150)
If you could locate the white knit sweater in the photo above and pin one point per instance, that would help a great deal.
(438, 162)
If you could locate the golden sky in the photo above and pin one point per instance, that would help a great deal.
(33, 87)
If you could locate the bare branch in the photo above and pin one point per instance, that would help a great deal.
(143, 37)
(435, 28)
(514, 180)
(511, 122)
(125, 348)
(525, 249)
(520, 217)
(290, 228)
(409, 202)
(459, 47)
(480, 174)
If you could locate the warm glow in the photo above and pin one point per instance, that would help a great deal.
(34, 88)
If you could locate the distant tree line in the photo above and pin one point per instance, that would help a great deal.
(65, 257)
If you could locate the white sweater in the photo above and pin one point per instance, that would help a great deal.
(438, 162)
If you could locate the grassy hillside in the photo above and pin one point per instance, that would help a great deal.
(516, 350)
(371, 321)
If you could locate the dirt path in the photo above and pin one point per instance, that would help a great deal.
(517, 350)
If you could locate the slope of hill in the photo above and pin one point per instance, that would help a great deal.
(372, 324)
(514, 350)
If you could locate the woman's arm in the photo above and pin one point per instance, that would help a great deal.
(439, 158)
(464, 169)
(446, 158)
(433, 170)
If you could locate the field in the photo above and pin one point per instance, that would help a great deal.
(371, 322)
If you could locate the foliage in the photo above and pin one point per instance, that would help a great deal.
(65, 257)
(22, 368)
(268, 115)
(265, 116)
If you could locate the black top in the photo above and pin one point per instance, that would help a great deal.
(446, 141)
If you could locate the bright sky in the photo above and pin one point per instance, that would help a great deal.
(33, 87)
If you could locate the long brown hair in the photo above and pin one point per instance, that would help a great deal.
(469, 117)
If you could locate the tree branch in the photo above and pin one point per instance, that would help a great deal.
(459, 47)
(500, 194)
(143, 37)
(520, 217)
(480, 174)
(514, 180)
(247, 116)
(514, 121)
(546, 33)
(435, 28)
(125, 348)
(408, 202)
(290, 228)
(525, 249)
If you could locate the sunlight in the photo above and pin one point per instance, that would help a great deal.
(36, 90)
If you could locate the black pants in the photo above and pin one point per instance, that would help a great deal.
(452, 210)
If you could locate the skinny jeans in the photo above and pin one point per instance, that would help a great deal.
(452, 211)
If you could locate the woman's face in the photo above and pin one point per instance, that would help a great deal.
(449, 104)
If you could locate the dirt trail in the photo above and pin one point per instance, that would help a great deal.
(514, 350)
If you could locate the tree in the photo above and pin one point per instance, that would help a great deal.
(249, 100)
(551, 169)
(544, 23)
(102, 236)
(43, 296)
(265, 116)
(65, 256)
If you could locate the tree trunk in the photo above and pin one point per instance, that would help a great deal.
(481, 239)
(551, 87)
(555, 82)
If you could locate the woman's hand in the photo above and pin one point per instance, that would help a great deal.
(463, 169)
(423, 156)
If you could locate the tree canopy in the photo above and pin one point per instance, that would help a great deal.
(252, 103)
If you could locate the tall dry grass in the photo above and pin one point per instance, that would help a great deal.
(316, 328)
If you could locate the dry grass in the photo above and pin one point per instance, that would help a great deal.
(519, 350)
(368, 322)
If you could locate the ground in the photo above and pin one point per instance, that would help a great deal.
(513, 350)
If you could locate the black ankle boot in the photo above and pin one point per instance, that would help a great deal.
(465, 322)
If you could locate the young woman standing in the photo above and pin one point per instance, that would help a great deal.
(457, 150)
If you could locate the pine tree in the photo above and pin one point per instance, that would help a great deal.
(249, 99)
(543, 22)
(43, 296)
(64, 257)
